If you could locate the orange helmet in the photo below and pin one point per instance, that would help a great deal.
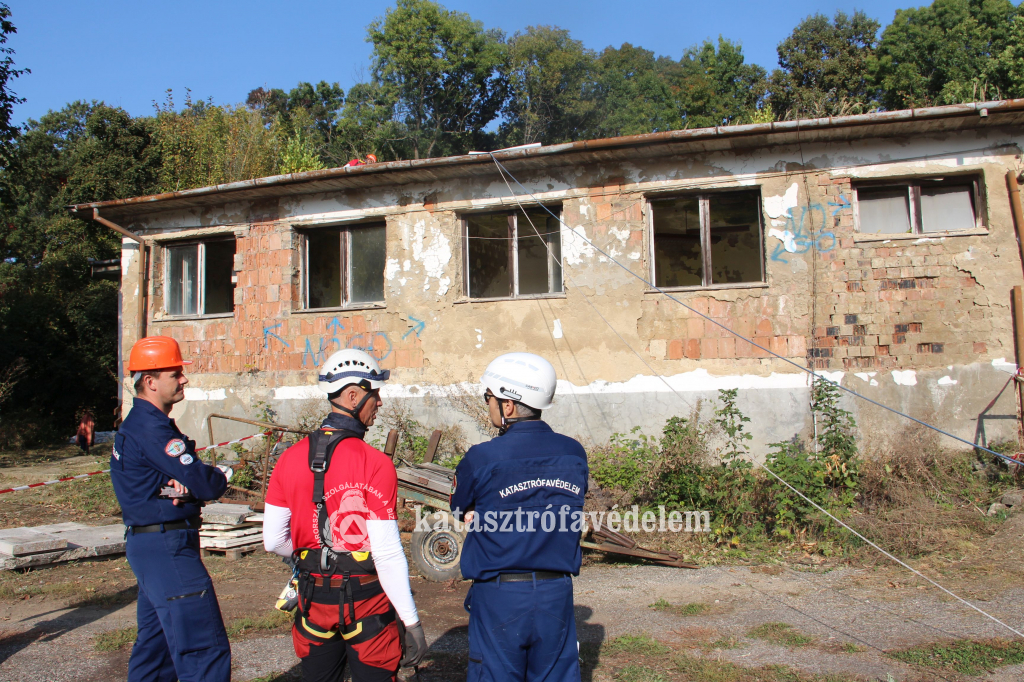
(155, 352)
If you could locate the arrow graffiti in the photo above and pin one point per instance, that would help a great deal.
(841, 205)
(418, 327)
(267, 333)
(335, 326)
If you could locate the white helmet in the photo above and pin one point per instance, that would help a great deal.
(351, 366)
(523, 377)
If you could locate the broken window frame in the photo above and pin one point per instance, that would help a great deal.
(345, 266)
(200, 277)
(913, 186)
(704, 202)
(513, 244)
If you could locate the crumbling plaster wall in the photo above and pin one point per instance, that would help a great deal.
(919, 324)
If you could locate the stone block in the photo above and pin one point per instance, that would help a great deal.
(228, 514)
(22, 541)
(1013, 498)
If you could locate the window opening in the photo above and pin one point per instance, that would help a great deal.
(198, 279)
(344, 266)
(494, 269)
(706, 240)
(918, 206)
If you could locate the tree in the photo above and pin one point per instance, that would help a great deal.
(8, 99)
(944, 53)
(631, 95)
(713, 86)
(59, 321)
(824, 66)
(442, 68)
(1010, 62)
(368, 126)
(550, 76)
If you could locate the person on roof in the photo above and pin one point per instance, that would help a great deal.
(521, 497)
(180, 630)
(331, 507)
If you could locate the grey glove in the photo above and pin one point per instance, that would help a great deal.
(415, 646)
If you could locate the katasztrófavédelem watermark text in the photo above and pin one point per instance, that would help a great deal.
(566, 520)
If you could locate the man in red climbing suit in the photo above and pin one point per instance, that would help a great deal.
(331, 507)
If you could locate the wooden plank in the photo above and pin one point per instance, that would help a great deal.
(225, 543)
(435, 439)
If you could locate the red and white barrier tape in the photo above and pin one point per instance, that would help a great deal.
(107, 471)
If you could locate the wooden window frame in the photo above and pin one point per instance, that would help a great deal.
(345, 258)
(513, 258)
(913, 185)
(704, 203)
(200, 276)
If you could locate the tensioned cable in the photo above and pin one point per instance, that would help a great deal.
(587, 298)
(814, 375)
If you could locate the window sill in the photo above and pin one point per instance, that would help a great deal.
(713, 287)
(190, 318)
(342, 309)
(867, 237)
(535, 297)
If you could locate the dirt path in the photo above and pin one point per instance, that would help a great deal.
(45, 638)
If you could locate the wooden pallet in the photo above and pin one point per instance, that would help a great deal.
(232, 553)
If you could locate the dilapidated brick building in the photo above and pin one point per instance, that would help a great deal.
(879, 248)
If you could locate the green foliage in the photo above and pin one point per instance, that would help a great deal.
(713, 86)
(631, 95)
(548, 76)
(946, 53)
(115, 640)
(8, 132)
(824, 67)
(443, 69)
(641, 645)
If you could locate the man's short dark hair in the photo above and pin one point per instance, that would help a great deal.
(527, 412)
(142, 375)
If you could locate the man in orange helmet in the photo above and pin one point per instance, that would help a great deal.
(181, 632)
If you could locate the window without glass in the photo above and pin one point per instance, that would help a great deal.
(344, 266)
(917, 206)
(198, 278)
(513, 254)
(707, 240)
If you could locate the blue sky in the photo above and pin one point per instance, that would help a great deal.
(129, 53)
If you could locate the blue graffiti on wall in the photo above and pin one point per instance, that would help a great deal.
(807, 230)
(267, 333)
(376, 344)
(418, 327)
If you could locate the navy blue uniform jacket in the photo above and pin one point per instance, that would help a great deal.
(150, 450)
(530, 470)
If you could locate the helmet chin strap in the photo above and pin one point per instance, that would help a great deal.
(507, 421)
(357, 410)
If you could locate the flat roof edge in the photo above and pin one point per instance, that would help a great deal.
(145, 203)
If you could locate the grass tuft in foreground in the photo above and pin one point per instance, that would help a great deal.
(638, 645)
(780, 633)
(115, 640)
(275, 620)
(639, 673)
(964, 656)
(714, 670)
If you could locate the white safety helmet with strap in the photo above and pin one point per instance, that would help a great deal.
(352, 366)
(522, 377)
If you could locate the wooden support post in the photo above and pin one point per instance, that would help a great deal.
(213, 450)
(1018, 336)
(266, 466)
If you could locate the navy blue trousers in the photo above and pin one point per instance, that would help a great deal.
(522, 631)
(181, 632)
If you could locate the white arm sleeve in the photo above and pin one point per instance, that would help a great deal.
(277, 533)
(392, 568)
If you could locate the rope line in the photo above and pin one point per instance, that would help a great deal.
(815, 376)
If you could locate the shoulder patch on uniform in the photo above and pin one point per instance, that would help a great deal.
(117, 455)
(186, 459)
(175, 447)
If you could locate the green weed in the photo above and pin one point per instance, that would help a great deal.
(639, 673)
(639, 645)
(115, 640)
(271, 621)
(964, 656)
(780, 633)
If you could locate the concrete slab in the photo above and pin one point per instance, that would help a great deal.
(57, 527)
(79, 543)
(228, 514)
(22, 541)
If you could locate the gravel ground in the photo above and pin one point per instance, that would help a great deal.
(856, 606)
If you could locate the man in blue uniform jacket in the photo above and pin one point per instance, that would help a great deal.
(181, 632)
(521, 496)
